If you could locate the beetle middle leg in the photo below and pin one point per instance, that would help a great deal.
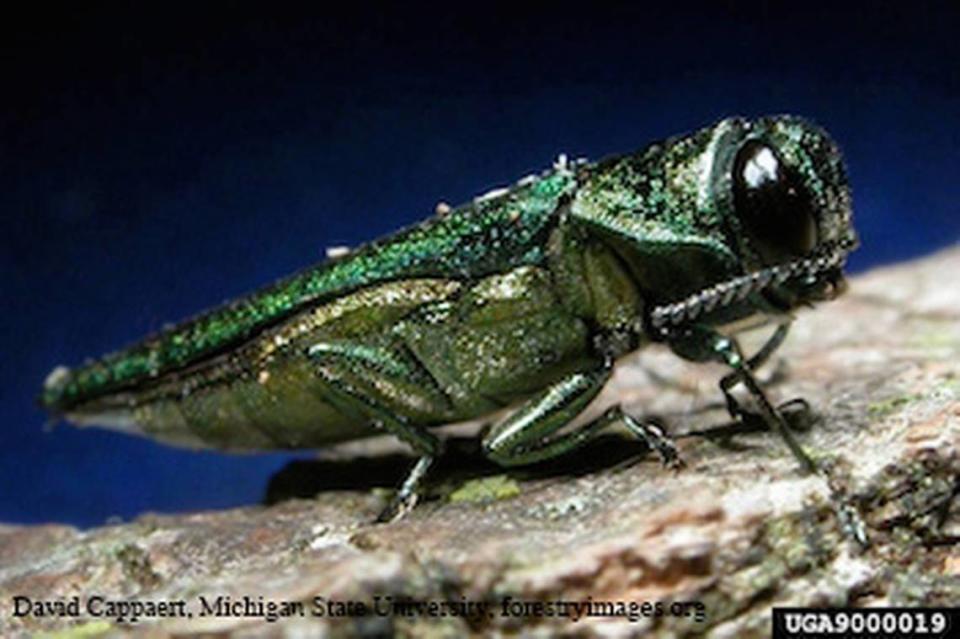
(528, 435)
(389, 388)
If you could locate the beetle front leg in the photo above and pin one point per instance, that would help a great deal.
(528, 435)
(759, 358)
(796, 412)
(701, 343)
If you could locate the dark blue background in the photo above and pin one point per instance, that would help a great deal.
(153, 163)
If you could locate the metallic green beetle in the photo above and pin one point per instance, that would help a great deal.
(524, 297)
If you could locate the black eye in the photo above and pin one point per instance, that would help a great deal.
(772, 203)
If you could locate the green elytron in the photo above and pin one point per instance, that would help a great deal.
(524, 297)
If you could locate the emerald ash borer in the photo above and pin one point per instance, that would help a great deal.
(524, 298)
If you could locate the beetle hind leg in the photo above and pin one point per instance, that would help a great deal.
(406, 496)
(387, 388)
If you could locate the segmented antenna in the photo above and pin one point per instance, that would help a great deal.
(739, 288)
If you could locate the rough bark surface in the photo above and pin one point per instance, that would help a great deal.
(740, 529)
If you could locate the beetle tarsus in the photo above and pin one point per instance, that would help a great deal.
(852, 524)
(797, 413)
(656, 438)
(406, 497)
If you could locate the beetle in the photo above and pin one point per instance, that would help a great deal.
(523, 298)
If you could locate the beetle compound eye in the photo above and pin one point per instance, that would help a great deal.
(772, 202)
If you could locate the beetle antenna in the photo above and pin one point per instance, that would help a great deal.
(739, 288)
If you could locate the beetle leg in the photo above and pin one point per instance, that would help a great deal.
(368, 382)
(760, 357)
(771, 416)
(524, 437)
(700, 343)
(796, 412)
(406, 497)
(651, 433)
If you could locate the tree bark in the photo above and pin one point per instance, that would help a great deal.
(737, 531)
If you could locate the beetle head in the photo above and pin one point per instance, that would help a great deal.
(791, 207)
